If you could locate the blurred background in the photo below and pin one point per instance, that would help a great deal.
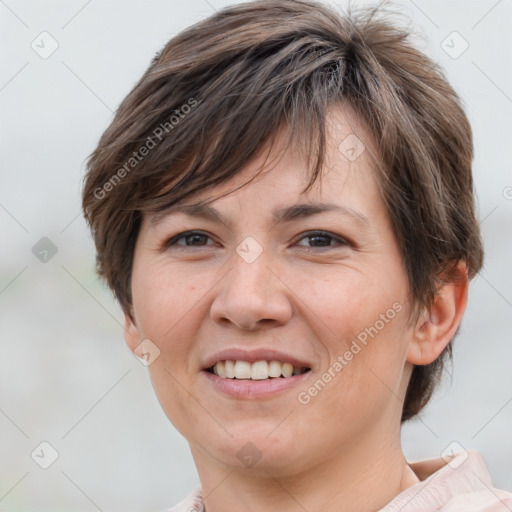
(66, 375)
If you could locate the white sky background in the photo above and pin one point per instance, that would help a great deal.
(66, 375)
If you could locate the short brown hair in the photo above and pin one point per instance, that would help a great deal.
(221, 89)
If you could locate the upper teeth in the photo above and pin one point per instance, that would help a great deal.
(259, 370)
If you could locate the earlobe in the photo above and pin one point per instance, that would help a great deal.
(131, 333)
(437, 326)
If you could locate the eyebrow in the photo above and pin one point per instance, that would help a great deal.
(283, 214)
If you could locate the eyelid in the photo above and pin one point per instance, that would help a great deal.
(342, 241)
(183, 234)
(320, 232)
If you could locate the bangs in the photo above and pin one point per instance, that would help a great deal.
(216, 139)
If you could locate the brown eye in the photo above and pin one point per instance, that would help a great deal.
(323, 239)
(191, 238)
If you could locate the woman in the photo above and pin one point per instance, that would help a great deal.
(283, 206)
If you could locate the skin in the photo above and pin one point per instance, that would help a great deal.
(307, 296)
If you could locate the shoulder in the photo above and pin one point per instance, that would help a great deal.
(489, 500)
(457, 483)
(193, 502)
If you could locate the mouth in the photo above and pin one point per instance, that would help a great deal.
(257, 371)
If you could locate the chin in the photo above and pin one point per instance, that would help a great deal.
(251, 446)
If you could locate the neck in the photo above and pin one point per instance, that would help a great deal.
(366, 478)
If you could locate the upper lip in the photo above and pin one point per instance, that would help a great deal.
(251, 356)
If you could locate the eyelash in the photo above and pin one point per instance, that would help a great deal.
(310, 234)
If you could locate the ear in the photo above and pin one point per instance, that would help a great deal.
(436, 326)
(131, 333)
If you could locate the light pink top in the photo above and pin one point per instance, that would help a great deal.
(462, 484)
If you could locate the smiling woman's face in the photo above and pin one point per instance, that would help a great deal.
(325, 291)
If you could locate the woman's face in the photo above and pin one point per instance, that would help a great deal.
(321, 287)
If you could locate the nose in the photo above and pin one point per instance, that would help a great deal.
(252, 296)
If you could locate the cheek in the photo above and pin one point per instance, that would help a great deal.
(167, 303)
(357, 303)
(373, 365)
(359, 396)
(367, 355)
(164, 297)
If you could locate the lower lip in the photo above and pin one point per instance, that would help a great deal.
(250, 389)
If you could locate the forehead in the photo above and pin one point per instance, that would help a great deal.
(278, 176)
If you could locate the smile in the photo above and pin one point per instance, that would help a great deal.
(259, 370)
(248, 388)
